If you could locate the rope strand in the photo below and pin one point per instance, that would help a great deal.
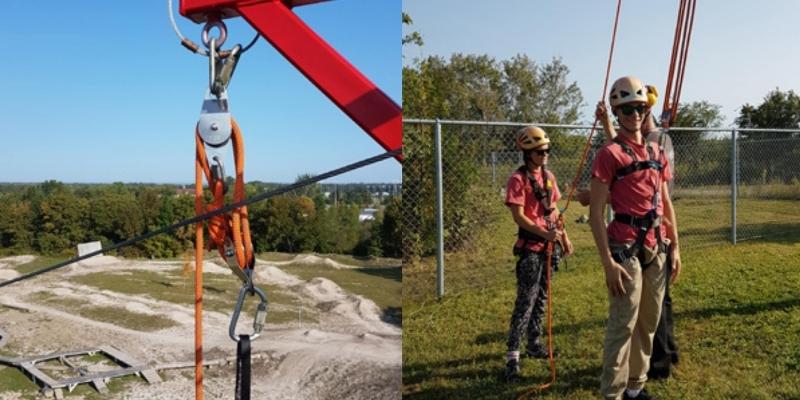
(549, 251)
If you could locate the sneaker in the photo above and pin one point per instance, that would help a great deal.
(512, 370)
(537, 350)
(643, 395)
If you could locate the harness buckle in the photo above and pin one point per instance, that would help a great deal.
(261, 312)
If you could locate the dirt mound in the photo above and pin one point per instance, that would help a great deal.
(6, 274)
(315, 260)
(99, 260)
(272, 275)
(330, 298)
(15, 260)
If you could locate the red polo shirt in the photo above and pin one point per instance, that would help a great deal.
(519, 191)
(633, 194)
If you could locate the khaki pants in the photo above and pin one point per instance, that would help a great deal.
(632, 322)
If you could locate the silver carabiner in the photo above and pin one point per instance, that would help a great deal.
(261, 312)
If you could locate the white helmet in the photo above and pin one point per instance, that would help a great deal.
(627, 89)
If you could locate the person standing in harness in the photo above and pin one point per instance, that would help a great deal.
(531, 196)
(634, 173)
(665, 348)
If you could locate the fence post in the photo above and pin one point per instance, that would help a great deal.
(437, 144)
(734, 183)
(494, 169)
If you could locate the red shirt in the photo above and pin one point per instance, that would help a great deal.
(633, 194)
(519, 191)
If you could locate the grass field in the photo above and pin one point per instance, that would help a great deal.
(737, 312)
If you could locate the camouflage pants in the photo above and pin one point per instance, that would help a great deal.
(531, 298)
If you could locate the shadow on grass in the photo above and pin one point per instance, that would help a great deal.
(742, 309)
(763, 232)
(558, 328)
(393, 273)
(483, 377)
(696, 314)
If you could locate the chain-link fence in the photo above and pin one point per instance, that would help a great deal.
(478, 157)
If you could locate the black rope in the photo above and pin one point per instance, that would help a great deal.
(202, 217)
(243, 368)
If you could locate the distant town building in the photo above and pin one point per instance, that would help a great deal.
(367, 214)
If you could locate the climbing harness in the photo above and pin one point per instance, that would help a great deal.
(543, 195)
(650, 220)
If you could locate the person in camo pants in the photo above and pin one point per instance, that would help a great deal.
(531, 196)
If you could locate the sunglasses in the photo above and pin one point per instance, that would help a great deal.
(542, 152)
(628, 109)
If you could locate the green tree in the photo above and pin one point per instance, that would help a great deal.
(60, 221)
(16, 224)
(778, 110)
(284, 223)
(114, 217)
(390, 232)
(414, 37)
(770, 156)
(698, 114)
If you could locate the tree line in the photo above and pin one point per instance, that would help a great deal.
(52, 218)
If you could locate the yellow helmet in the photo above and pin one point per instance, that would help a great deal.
(652, 95)
(531, 137)
(627, 89)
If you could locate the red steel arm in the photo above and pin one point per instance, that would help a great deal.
(347, 87)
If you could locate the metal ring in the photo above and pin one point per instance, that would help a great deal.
(223, 33)
(195, 48)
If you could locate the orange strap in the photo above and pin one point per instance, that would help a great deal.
(233, 227)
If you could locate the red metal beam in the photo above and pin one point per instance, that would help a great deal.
(347, 87)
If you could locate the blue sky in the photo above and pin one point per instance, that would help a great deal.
(102, 91)
(740, 49)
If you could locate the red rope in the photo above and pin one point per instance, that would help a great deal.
(680, 53)
(588, 144)
(689, 24)
(560, 223)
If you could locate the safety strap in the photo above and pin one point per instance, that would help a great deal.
(647, 221)
(243, 368)
(544, 195)
(636, 165)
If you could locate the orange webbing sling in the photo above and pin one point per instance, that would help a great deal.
(229, 232)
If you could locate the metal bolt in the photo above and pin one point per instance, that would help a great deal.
(214, 126)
